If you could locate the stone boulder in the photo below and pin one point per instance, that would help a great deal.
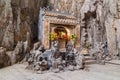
(8, 58)
(4, 58)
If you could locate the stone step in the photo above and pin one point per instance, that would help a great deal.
(86, 54)
(89, 62)
(89, 58)
(114, 62)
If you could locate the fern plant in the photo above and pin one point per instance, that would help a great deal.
(73, 37)
(51, 37)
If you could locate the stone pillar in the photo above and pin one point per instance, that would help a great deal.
(110, 31)
(77, 32)
(46, 32)
(117, 25)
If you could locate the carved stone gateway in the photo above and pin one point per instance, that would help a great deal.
(55, 22)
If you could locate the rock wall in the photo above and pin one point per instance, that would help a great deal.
(67, 6)
(99, 20)
(111, 23)
(17, 17)
(6, 27)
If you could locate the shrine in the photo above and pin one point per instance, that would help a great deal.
(58, 26)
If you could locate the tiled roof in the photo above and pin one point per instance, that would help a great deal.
(60, 18)
(57, 14)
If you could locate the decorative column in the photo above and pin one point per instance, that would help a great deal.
(77, 32)
(46, 32)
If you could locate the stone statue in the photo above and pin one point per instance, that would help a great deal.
(74, 59)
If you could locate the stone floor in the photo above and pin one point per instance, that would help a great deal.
(95, 72)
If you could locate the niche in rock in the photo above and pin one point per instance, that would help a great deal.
(91, 31)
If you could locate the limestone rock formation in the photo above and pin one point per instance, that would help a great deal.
(67, 6)
(6, 27)
(4, 58)
(98, 20)
(111, 22)
(17, 17)
(8, 58)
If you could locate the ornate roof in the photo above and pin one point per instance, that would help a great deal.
(57, 14)
(60, 18)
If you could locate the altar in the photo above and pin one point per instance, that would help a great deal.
(58, 26)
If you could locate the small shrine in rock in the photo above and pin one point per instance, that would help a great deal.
(58, 26)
